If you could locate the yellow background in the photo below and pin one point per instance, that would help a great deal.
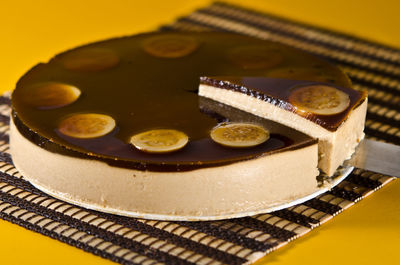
(33, 31)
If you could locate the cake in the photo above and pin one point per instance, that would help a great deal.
(118, 126)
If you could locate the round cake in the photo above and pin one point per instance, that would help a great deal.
(118, 125)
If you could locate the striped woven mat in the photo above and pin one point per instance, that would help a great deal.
(236, 241)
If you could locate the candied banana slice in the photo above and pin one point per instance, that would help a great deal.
(160, 141)
(51, 95)
(87, 125)
(319, 99)
(239, 134)
(170, 46)
(90, 60)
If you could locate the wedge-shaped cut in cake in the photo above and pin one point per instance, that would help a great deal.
(332, 114)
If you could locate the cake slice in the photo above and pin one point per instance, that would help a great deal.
(332, 114)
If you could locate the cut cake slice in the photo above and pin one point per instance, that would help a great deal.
(339, 130)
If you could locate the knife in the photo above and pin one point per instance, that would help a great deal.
(378, 157)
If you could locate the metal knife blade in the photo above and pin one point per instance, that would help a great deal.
(377, 157)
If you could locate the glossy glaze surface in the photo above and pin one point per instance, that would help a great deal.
(143, 92)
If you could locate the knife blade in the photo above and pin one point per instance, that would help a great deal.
(378, 157)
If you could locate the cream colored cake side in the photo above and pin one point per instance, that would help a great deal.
(248, 186)
(330, 155)
(345, 140)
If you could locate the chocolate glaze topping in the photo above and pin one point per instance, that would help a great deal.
(142, 90)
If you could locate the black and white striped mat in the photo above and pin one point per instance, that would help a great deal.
(236, 241)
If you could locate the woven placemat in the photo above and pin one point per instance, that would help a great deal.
(236, 241)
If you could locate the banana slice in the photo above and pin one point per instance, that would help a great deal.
(239, 134)
(160, 141)
(88, 125)
(319, 99)
(51, 95)
(255, 57)
(170, 46)
(90, 60)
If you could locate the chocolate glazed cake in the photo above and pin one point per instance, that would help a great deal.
(118, 126)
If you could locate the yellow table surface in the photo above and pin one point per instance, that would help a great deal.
(33, 31)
